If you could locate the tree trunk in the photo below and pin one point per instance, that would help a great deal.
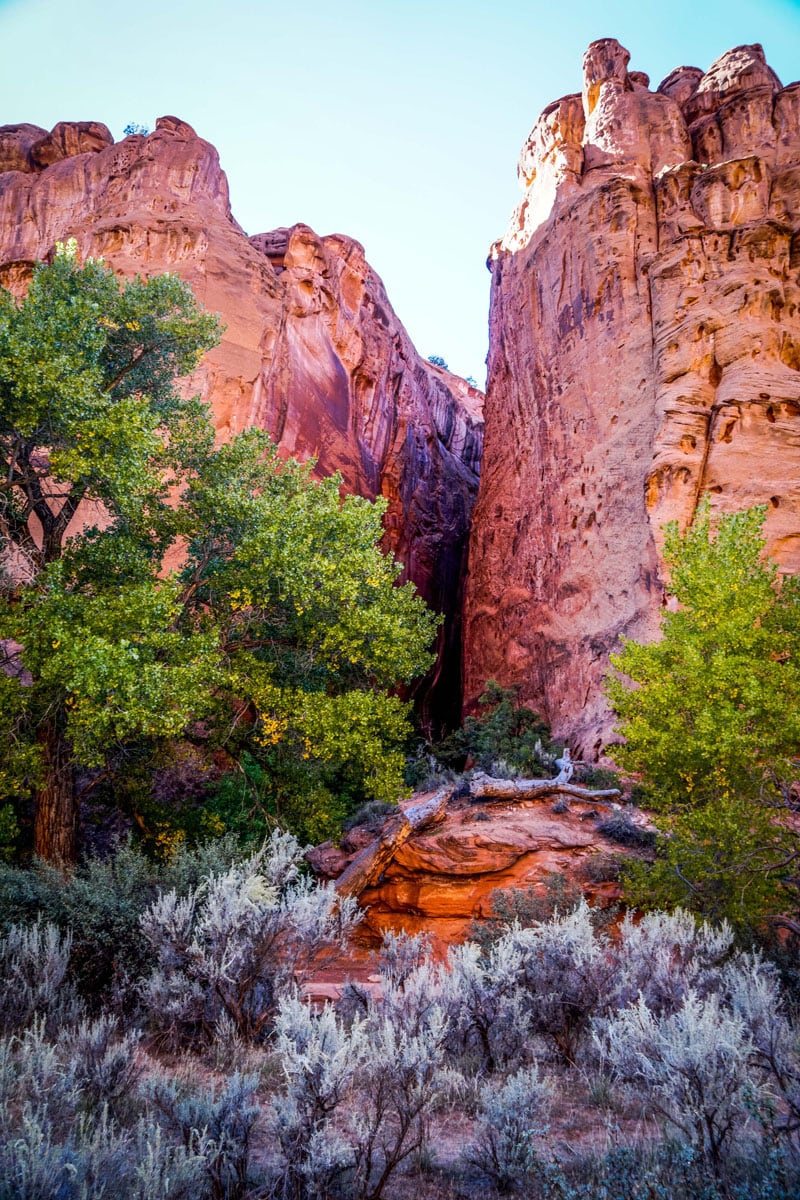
(55, 829)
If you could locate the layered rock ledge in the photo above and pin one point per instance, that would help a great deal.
(442, 872)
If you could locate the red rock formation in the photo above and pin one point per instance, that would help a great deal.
(440, 880)
(312, 350)
(644, 351)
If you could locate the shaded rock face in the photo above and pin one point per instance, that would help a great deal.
(644, 352)
(312, 350)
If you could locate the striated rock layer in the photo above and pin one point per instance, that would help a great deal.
(440, 880)
(312, 350)
(644, 352)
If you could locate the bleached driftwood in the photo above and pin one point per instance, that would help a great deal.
(485, 786)
(367, 866)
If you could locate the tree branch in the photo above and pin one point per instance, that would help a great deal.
(109, 387)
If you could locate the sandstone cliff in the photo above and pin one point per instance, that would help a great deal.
(312, 351)
(644, 351)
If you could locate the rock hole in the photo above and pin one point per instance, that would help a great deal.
(727, 433)
(794, 251)
(715, 373)
(775, 501)
(770, 414)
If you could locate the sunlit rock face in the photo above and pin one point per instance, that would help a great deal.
(444, 878)
(644, 352)
(312, 350)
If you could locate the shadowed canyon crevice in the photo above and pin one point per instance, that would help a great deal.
(644, 352)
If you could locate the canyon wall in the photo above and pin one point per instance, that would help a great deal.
(312, 350)
(644, 353)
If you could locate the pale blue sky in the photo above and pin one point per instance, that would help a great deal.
(397, 121)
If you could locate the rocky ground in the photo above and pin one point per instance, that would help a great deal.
(443, 878)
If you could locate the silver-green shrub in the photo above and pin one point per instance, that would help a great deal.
(512, 1119)
(398, 1087)
(102, 1063)
(694, 1066)
(751, 989)
(33, 966)
(31, 1069)
(487, 1003)
(548, 980)
(321, 1057)
(215, 1124)
(360, 1088)
(568, 973)
(662, 956)
(234, 944)
(95, 1160)
(101, 903)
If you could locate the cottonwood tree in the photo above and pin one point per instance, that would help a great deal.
(283, 618)
(710, 715)
(89, 415)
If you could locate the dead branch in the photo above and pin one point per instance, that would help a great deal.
(484, 786)
(366, 867)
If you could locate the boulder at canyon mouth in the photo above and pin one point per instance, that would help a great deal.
(644, 353)
(312, 350)
(440, 880)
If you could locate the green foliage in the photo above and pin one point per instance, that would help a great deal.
(715, 709)
(278, 789)
(87, 390)
(438, 361)
(9, 831)
(712, 723)
(281, 633)
(504, 732)
(723, 860)
(313, 629)
(101, 903)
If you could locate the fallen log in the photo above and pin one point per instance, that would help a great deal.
(483, 786)
(368, 865)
